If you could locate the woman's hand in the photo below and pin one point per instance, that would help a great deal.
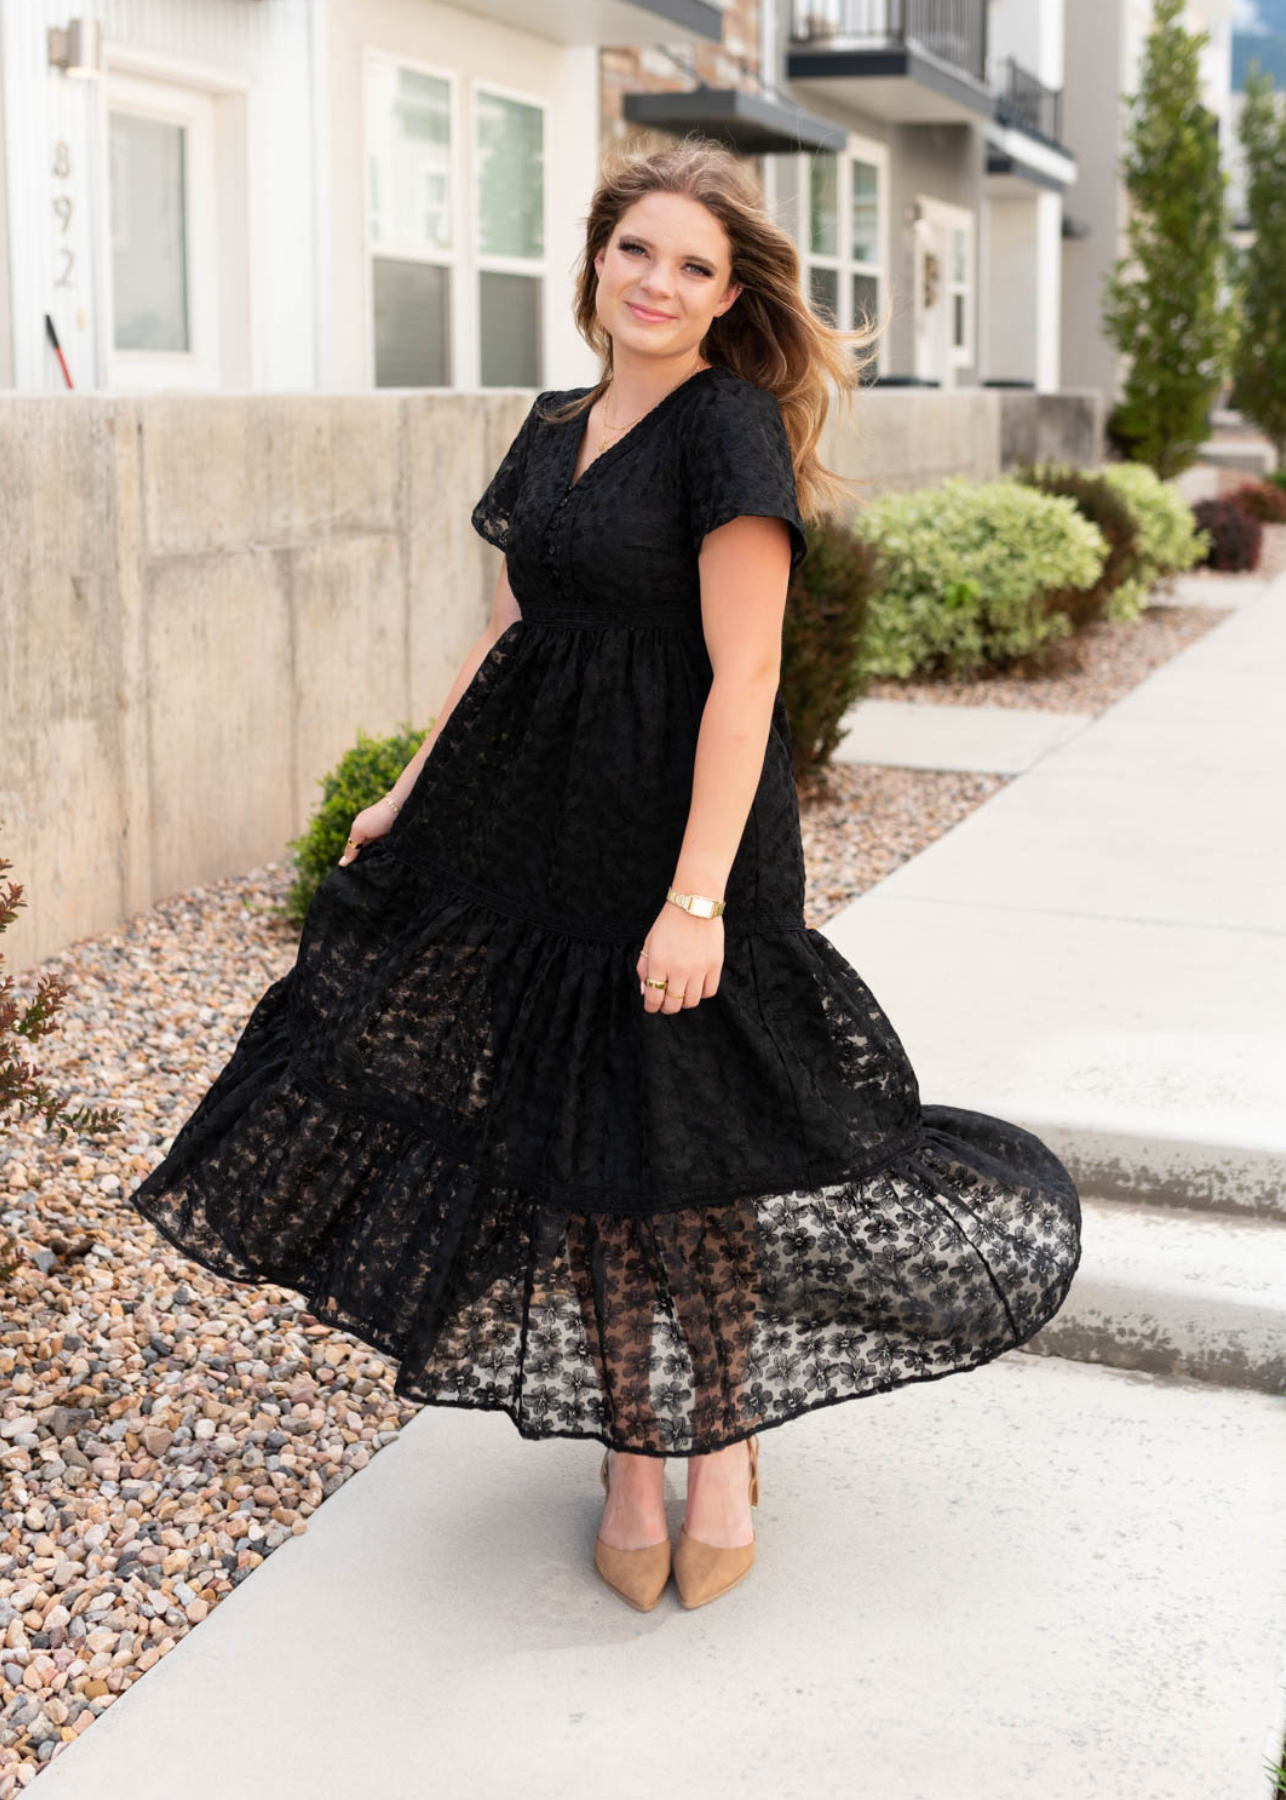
(371, 822)
(688, 952)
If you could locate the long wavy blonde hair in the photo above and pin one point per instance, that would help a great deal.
(770, 335)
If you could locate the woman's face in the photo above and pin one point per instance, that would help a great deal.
(663, 277)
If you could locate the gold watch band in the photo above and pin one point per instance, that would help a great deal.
(701, 905)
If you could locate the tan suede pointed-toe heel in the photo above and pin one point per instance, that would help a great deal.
(637, 1576)
(704, 1571)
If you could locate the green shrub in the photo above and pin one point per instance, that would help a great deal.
(1099, 502)
(1278, 477)
(969, 566)
(362, 774)
(1169, 540)
(826, 617)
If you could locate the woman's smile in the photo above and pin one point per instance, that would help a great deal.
(647, 315)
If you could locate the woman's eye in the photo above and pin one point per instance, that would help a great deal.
(690, 265)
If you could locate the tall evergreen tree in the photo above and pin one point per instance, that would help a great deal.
(1260, 362)
(1164, 303)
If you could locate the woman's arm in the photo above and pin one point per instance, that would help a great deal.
(745, 572)
(375, 820)
(505, 612)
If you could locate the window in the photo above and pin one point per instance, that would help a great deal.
(845, 252)
(148, 203)
(410, 228)
(509, 207)
(457, 252)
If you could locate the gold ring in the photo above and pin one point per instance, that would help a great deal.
(650, 981)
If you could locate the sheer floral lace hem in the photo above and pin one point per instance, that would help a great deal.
(539, 1419)
(670, 1333)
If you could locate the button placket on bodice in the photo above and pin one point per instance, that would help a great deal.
(556, 537)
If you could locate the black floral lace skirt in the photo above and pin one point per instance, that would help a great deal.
(450, 1130)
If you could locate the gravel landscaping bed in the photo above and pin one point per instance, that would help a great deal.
(162, 1431)
(863, 820)
(1084, 674)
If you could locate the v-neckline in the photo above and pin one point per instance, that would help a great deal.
(577, 438)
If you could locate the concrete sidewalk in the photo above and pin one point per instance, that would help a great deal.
(1035, 1579)
(1042, 1578)
(1099, 951)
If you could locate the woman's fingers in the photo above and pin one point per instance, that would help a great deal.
(679, 992)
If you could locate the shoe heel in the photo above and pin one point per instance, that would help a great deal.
(704, 1571)
(639, 1577)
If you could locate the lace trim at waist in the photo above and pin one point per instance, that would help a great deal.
(594, 618)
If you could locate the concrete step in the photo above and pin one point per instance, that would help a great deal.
(918, 734)
(1215, 587)
(1256, 458)
(1177, 1291)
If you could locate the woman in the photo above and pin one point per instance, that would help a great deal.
(562, 1106)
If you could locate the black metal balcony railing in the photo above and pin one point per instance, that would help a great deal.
(1024, 101)
(954, 30)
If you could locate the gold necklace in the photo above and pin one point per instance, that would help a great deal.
(602, 442)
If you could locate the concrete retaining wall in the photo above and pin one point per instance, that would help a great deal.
(202, 599)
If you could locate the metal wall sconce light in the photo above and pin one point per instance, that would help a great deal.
(77, 48)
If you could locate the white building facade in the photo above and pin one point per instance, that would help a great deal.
(302, 194)
(952, 180)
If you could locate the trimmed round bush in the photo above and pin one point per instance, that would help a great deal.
(1104, 507)
(1169, 540)
(1235, 537)
(969, 567)
(357, 781)
(1262, 500)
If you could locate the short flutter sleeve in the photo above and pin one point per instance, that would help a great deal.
(490, 517)
(738, 461)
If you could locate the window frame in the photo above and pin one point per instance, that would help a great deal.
(843, 263)
(451, 259)
(491, 262)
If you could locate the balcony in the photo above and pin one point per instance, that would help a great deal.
(1025, 102)
(609, 21)
(918, 62)
(1023, 144)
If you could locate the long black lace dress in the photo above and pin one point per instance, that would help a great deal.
(454, 1128)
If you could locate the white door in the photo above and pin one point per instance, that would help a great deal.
(931, 350)
(162, 311)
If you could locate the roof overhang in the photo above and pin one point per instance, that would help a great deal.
(1017, 162)
(751, 124)
(903, 83)
(606, 22)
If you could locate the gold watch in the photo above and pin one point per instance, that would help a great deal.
(699, 904)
